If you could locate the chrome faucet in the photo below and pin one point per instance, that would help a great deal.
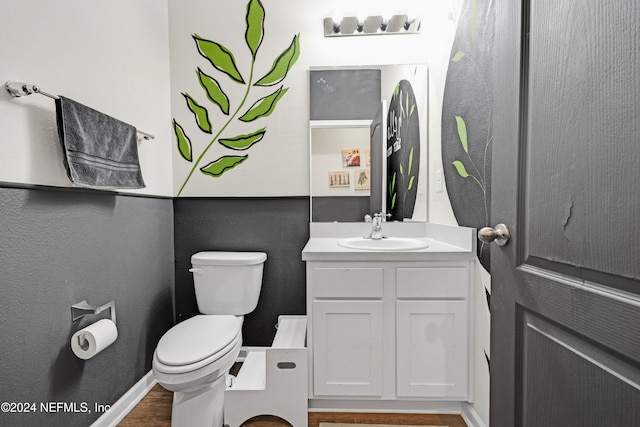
(376, 226)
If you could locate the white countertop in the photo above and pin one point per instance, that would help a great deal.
(444, 242)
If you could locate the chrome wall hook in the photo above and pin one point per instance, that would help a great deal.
(83, 308)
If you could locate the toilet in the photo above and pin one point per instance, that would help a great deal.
(194, 357)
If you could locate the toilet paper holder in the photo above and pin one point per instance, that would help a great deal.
(83, 308)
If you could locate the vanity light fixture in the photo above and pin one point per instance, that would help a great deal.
(371, 25)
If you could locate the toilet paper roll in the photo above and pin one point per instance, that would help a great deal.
(91, 340)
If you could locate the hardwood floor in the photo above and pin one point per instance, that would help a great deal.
(154, 410)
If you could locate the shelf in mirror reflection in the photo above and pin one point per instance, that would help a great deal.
(393, 159)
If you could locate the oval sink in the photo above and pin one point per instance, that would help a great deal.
(386, 244)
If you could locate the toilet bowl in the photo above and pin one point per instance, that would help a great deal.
(193, 360)
(194, 357)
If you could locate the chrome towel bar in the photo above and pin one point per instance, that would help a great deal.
(18, 89)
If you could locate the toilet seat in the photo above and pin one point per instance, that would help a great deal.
(197, 342)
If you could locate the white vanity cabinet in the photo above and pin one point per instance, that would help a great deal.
(432, 338)
(347, 330)
(389, 330)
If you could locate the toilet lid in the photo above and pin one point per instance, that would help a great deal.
(197, 338)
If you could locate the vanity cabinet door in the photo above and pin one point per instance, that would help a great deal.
(432, 349)
(347, 352)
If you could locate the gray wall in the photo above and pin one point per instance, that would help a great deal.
(58, 247)
(353, 94)
(277, 226)
(341, 209)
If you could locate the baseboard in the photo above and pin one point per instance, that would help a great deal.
(127, 402)
(465, 409)
(471, 416)
(383, 406)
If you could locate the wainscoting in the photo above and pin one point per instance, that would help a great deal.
(60, 246)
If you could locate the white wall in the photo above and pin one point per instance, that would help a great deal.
(274, 166)
(110, 55)
(482, 334)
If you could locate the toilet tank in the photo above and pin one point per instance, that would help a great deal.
(227, 282)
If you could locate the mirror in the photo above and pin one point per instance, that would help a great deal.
(368, 142)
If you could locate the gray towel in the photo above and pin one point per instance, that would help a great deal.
(99, 151)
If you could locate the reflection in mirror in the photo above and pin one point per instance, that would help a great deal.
(368, 142)
(341, 170)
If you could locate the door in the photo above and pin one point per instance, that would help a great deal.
(565, 306)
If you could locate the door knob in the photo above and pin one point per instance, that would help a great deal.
(500, 234)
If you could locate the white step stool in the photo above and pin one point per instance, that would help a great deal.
(273, 380)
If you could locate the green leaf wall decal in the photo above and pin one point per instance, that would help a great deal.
(458, 56)
(410, 183)
(219, 56)
(462, 133)
(474, 19)
(214, 91)
(200, 113)
(222, 59)
(410, 160)
(264, 106)
(282, 64)
(184, 144)
(462, 171)
(223, 164)
(255, 25)
(242, 142)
